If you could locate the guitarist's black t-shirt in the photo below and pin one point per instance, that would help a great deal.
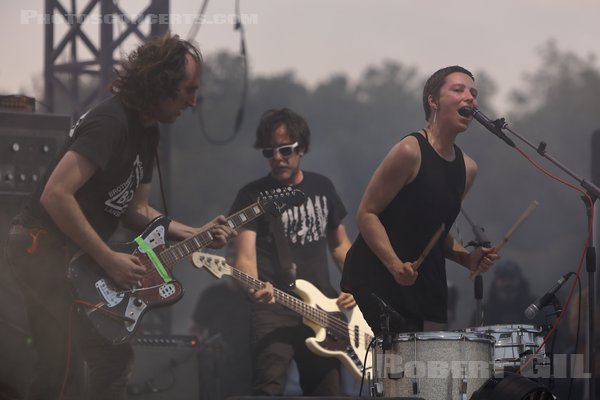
(113, 139)
(305, 228)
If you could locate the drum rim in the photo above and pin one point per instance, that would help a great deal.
(506, 328)
(445, 335)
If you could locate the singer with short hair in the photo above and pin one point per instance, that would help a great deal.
(418, 187)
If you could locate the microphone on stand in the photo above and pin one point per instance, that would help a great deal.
(493, 126)
(534, 308)
(387, 312)
(480, 240)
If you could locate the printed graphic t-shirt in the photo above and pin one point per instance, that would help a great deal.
(305, 229)
(114, 140)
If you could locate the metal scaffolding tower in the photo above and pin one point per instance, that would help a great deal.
(63, 79)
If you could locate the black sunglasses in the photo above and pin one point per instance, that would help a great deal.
(286, 150)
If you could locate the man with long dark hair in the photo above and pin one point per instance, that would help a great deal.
(100, 179)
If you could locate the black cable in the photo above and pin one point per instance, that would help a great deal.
(239, 117)
(197, 22)
(362, 379)
(160, 182)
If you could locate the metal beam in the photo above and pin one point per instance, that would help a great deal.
(64, 64)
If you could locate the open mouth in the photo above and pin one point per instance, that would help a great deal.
(466, 112)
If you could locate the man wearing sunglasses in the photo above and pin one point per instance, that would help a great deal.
(309, 232)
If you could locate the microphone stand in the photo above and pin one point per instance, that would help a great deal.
(557, 310)
(481, 240)
(384, 323)
(594, 192)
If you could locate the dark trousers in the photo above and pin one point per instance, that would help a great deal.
(276, 340)
(62, 337)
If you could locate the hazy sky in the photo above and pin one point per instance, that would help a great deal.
(318, 38)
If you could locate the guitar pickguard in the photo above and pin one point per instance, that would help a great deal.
(135, 308)
(111, 297)
(155, 238)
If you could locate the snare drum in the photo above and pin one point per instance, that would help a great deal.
(433, 365)
(514, 343)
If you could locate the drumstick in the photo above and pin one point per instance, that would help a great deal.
(512, 230)
(432, 242)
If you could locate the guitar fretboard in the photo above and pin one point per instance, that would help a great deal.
(312, 313)
(186, 247)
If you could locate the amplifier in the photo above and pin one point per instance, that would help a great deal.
(165, 368)
(28, 143)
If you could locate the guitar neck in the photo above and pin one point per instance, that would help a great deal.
(186, 247)
(314, 314)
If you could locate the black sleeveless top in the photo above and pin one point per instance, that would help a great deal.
(410, 220)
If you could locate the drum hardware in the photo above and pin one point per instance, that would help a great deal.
(481, 240)
(514, 346)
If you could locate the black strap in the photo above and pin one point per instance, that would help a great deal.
(288, 267)
(160, 181)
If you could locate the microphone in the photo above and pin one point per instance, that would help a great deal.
(387, 309)
(534, 308)
(387, 313)
(493, 126)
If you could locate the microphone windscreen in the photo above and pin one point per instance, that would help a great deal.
(465, 112)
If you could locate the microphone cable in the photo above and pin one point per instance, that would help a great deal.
(587, 198)
(239, 117)
(197, 22)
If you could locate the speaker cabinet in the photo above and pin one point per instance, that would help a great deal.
(165, 368)
(28, 143)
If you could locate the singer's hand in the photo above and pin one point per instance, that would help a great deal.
(481, 259)
(403, 273)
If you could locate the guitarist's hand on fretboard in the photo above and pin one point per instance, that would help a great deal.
(264, 295)
(220, 232)
(125, 270)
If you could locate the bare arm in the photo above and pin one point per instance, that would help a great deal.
(58, 198)
(245, 261)
(398, 168)
(140, 213)
(339, 244)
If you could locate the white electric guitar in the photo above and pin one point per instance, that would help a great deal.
(338, 333)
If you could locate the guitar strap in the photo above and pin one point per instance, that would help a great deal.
(287, 266)
(160, 181)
